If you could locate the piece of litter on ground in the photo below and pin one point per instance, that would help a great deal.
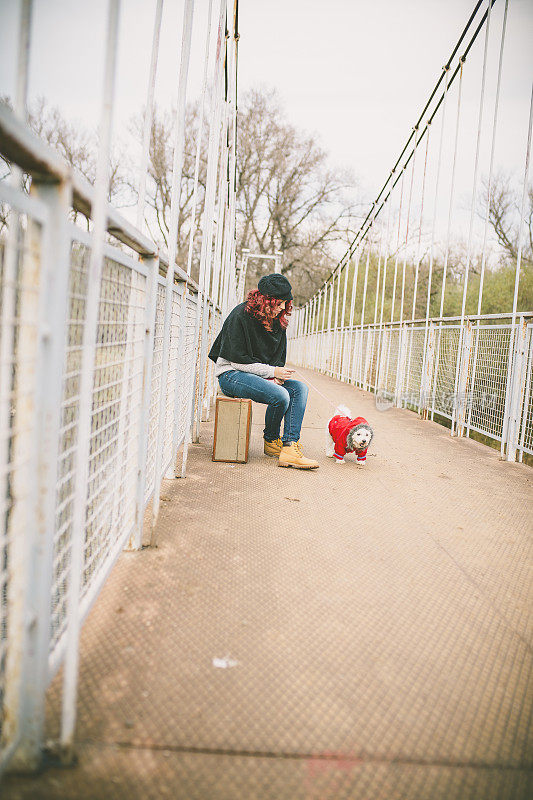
(294, 499)
(224, 663)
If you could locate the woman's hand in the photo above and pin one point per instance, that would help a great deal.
(283, 373)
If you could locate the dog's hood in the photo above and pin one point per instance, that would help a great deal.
(344, 424)
(339, 427)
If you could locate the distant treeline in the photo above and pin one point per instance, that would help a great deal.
(498, 291)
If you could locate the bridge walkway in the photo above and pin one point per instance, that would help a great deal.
(345, 633)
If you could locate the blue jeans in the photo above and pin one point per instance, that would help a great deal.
(285, 402)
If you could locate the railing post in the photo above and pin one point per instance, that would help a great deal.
(400, 368)
(321, 332)
(363, 364)
(22, 472)
(368, 358)
(316, 327)
(213, 382)
(209, 341)
(310, 360)
(177, 169)
(525, 405)
(190, 399)
(152, 264)
(357, 354)
(18, 548)
(87, 371)
(27, 665)
(56, 300)
(427, 371)
(516, 390)
(314, 334)
(161, 413)
(462, 381)
(329, 335)
(301, 338)
(301, 343)
(306, 334)
(382, 357)
(180, 388)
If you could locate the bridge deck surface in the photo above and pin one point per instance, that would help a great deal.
(376, 624)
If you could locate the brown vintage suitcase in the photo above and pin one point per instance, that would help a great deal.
(233, 422)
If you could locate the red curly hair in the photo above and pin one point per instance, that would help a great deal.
(262, 308)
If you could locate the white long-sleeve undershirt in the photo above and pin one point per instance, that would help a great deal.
(263, 370)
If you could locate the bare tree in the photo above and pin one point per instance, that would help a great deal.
(159, 186)
(79, 148)
(504, 217)
(77, 145)
(288, 198)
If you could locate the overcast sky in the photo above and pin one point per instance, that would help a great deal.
(354, 72)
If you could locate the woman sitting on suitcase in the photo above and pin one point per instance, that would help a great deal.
(249, 354)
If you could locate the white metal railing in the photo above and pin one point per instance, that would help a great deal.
(104, 376)
(411, 366)
(42, 348)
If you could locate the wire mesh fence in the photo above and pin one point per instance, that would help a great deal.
(416, 341)
(441, 398)
(155, 385)
(40, 400)
(487, 381)
(477, 376)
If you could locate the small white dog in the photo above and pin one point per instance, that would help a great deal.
(345, 434)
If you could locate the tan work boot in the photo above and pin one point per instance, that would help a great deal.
(291, 456)
(273, 448)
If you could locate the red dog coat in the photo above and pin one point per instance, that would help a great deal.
(339, 428)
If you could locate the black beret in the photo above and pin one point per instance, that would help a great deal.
(275, 285)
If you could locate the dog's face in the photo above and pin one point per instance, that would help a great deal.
(360, 437)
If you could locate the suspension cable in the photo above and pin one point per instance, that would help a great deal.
(380, 255)
(448, 232)
(396, 255)
(365, 285)
(472, 210)
(433, 228)
(199, 141)
(491, 164)
(383, 286)
(148, 116)
(407, 227)
(476, 163)
(364, 227)
(420, 222)
(452, 192)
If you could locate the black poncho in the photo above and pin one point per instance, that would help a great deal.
(244, 340)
